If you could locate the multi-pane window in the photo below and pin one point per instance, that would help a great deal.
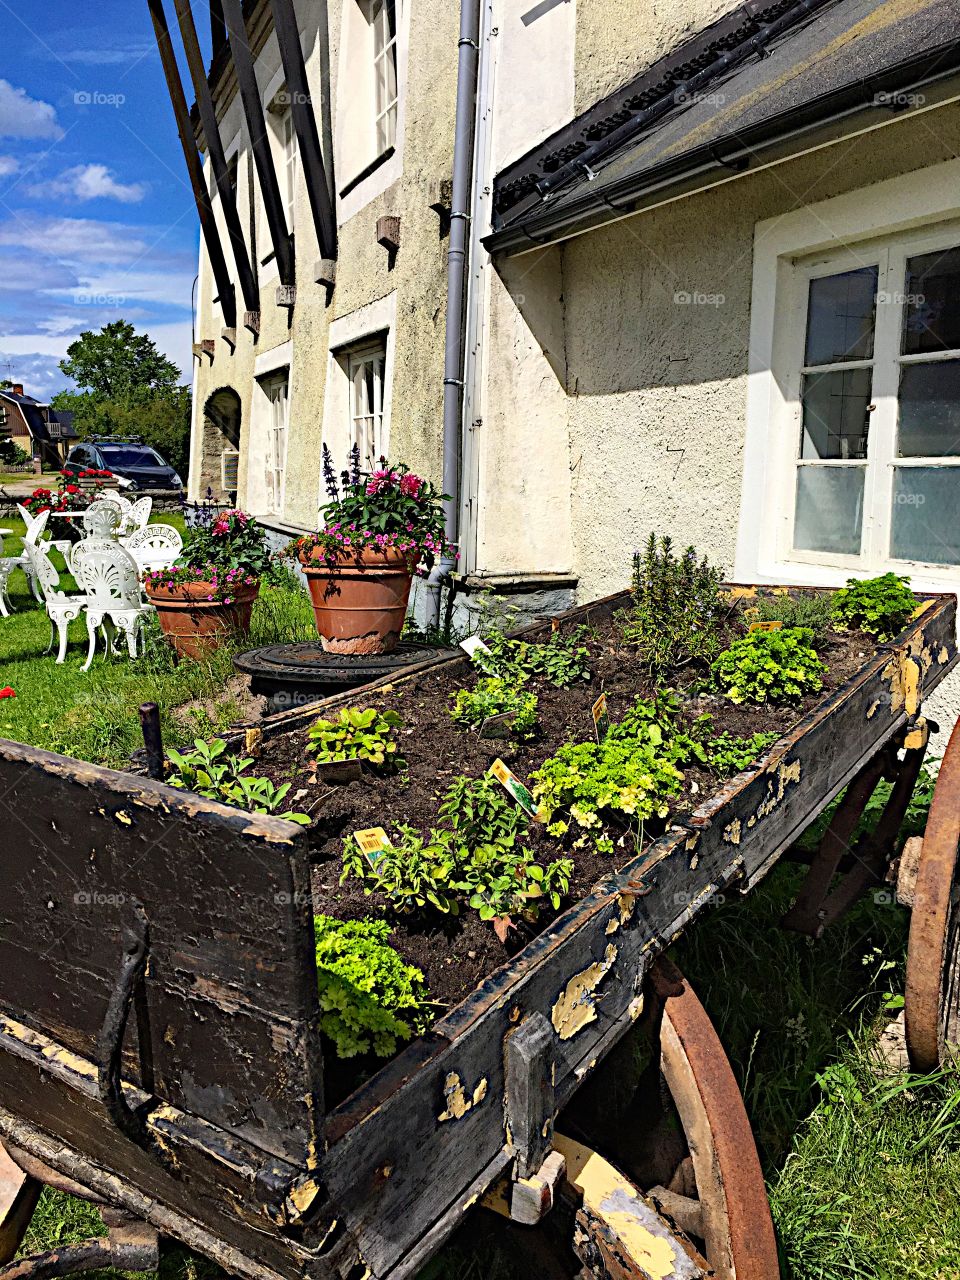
(288, 152)
(365, 369)
(276, 389)
(878, 450)
(383, 20)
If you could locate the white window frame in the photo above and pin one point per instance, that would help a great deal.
(275, 387)
(883, 224)
(385, 55)
(366, 166)
(367, 421)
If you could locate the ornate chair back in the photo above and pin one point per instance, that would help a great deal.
(103, 518)
(154, 547)
(137, 516)
(35, 525)
(42, 568)
(107, 573)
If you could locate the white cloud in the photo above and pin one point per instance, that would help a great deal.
(77, 239)
(24, 117)
(104, 57)
(89, 182)
(7, 166)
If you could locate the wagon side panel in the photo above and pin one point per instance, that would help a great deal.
(223, 1022)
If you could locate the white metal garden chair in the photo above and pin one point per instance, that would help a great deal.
(108, 575)
(61, 608)
(35, 526)
(105, 517)
(154, 547)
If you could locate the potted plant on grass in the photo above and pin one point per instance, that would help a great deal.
(210, 591)
(377, 532)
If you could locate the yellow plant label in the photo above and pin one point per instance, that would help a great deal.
(766, 626)
(372, 842)
(601, 717)
(514, 787)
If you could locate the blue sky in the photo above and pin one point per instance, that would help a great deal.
(96, 217)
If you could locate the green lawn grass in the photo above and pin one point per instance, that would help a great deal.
(93, 715)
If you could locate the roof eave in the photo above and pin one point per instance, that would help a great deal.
(820, 124)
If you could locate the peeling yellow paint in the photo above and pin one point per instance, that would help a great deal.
(732, 831)
(902, 673)
(468, 1204)
(545, 1131)
(576, 1007)
(636, 1008)
(628, 905)
(612, 927)
(386, 1171)
(944, 656)
(918, 735)
(873, 710)
(921, 609)
(610, 1197)
(458, 1103)
(302, 1198)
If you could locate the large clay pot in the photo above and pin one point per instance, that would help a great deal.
(359, 603)
(195, 624)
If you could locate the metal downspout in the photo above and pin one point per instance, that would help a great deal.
(467, 72)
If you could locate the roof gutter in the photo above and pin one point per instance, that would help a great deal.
(599, 205)
(463, 159)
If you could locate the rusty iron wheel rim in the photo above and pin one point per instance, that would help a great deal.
(932, 991)
(739, 1238)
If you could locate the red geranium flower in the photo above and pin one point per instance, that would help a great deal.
(73, 488)
(7, 693)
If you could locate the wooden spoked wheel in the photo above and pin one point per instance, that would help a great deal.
(932, 990)
(666, 1109)
(735, 1226)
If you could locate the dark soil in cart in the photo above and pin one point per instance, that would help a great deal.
(455, 954)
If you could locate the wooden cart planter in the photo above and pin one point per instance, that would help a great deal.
(159, 1043)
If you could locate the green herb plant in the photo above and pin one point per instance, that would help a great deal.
(727, 755)
(355, 735)
(562, 660)
(677, 609)
(210, 771)
(370, 998)
(769, 666)
(814, 611)
(493, 696)
(880, 606)
(634, 772)
(475, 856)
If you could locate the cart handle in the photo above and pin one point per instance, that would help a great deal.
(136, 948)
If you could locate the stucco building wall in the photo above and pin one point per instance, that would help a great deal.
(413, 282)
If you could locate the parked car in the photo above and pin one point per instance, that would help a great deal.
(130, 460)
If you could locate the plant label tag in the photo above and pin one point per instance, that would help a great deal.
(499, 726)
(554, 625)
(514, 787)
(601, 717)
(372, 843)
(341, 771)
(474, 645)
(766, 626)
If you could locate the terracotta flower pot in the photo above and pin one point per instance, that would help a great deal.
(193, 623)
(360, 604)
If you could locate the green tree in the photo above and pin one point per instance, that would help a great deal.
(118, 362)
(127, 387)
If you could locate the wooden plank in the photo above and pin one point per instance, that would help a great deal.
(198, 185)
(529, 1090)
(218, 160)
(226, 1027)
(273, 205)
(305, 125)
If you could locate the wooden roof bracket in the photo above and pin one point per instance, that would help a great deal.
(305, 127)
(256, 122)
(208, 223)
(218, 160)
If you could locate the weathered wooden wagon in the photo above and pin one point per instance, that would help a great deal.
(160, 1051)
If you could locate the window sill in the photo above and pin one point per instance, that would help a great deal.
(368, 172)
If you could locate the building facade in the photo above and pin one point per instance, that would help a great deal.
(43, 433)
(713, 282)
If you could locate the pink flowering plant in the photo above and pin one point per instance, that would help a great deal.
(232, 540)
(222, 584)
(388, 509)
